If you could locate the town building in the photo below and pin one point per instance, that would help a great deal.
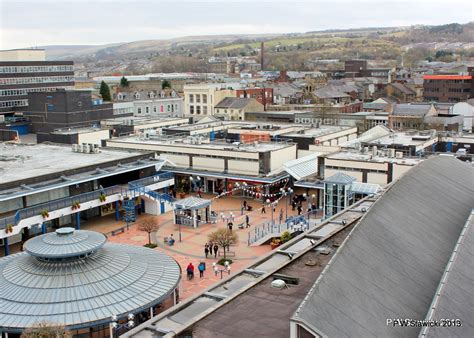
(162, 103)
(42, 177)
(64, 109)
(24, 71)
(200, 99)
(264, 95)
(448, 88)
(122, 126)
(402, 92)
(236, 108)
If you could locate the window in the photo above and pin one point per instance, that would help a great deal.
(154, 109)
(198, 110)
(198, 98)
(204, 98)
(191, 98)
(37, 79)
(168, 108)
(147, 110)
(139, 110)
(204, 109)
(191, 109)
(161, 109)
(79, 103)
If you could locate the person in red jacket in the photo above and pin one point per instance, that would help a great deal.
(190, 271)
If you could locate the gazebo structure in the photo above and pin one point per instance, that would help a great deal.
(191, 211)
(73, 278)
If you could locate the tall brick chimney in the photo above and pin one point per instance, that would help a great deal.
(262, 59)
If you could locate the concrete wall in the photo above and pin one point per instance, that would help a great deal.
(278, 157)
(94, 137)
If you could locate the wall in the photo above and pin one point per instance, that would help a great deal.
(243, 167)
(94, 137)
(278, 157)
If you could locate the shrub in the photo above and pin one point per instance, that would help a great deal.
(102, 198)
(285, 237)
(223, 260)
(9, 228)
(150, 245)
(44, 214)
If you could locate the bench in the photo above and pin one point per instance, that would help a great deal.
(227, 253)
(117, 231)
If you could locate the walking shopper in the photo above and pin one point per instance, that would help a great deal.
(206, 250)
(247, 219)
(263, 209)
(190, 271)
(281, 216)
(201, 268)
(299, 209)
(230, 225)
(216, 248)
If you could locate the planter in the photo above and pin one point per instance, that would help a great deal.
(9, 228)
(75, 206)
(102, 198)
(44, 214)
(274, 245)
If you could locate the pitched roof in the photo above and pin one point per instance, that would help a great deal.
(302, 167)
(234, 102)
(340, 178)
(411, 109)
(391, 263)
(404, 89)
(192, 203)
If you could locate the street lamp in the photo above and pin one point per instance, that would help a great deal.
(288, 193)
(115, 325)
(225, 269)
(271, 206)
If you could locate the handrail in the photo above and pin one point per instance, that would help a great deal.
(85, 197)
(268, 228)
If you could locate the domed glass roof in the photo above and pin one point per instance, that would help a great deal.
(101, 281)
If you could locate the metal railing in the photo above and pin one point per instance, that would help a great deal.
(59, 204)
(293, 223)
(90, 196)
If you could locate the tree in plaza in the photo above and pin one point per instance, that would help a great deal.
(165, 84)
(105, 91)
(45, 329)
(224, 238)
(148, 226)
(124, 82)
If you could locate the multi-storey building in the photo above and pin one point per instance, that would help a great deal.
(200, 99)
(26, 71)
(163, 103)
(448, 88)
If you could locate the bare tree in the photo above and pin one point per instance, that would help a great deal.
(224, 238)
(45, 329)
(148, 226)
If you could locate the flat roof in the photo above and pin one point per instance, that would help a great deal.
(180, 142)
(318, 132)
(358, 156)
(73, 131)
(404, 138)
(23, 161)
(139, 120)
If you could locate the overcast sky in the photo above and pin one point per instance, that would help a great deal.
(71, 22)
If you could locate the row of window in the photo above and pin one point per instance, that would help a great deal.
(37, 79)
(13, 103)
(25, 91)
(334, 167)
(433, 90)
(121, 111)
(170, 108)
(452, 81)
(198, 98)
(459, 90)
(197, 110)
(35, 69)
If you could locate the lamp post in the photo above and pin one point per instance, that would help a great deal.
(115, 325)
(225, 269)
(271, 206)
(288, 193)
(191, 183)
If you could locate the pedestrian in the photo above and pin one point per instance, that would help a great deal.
(206, 250)
(201, 268)
(230, 225)
(199, 192)
(263, 209)
(281, 216)
(299, 209)
(190, 271)
(247, 219)
(293, 205)
(245, 205)
(174, 193)
(216, 248)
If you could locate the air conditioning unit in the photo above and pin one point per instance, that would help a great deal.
(391, 153)
(79, 148)
(399, 154)
(74, 148)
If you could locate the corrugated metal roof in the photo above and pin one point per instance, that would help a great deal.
(393, 260)
(192, 203)
(302, 167)
(365, 188)
(82, 292)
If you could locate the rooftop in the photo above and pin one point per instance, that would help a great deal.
(19, 162)
(358, 156)
(234, 103)
(73, 278)
(318, 132)
(199, 142)
(409, 138)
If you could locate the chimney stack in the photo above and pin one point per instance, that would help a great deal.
(261, 56)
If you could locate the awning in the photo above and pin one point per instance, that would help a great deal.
(365, 188)
(302, 167)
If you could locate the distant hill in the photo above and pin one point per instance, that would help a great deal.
(284, 51)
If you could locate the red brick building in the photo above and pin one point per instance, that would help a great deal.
(448, 88)
(262, 95)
